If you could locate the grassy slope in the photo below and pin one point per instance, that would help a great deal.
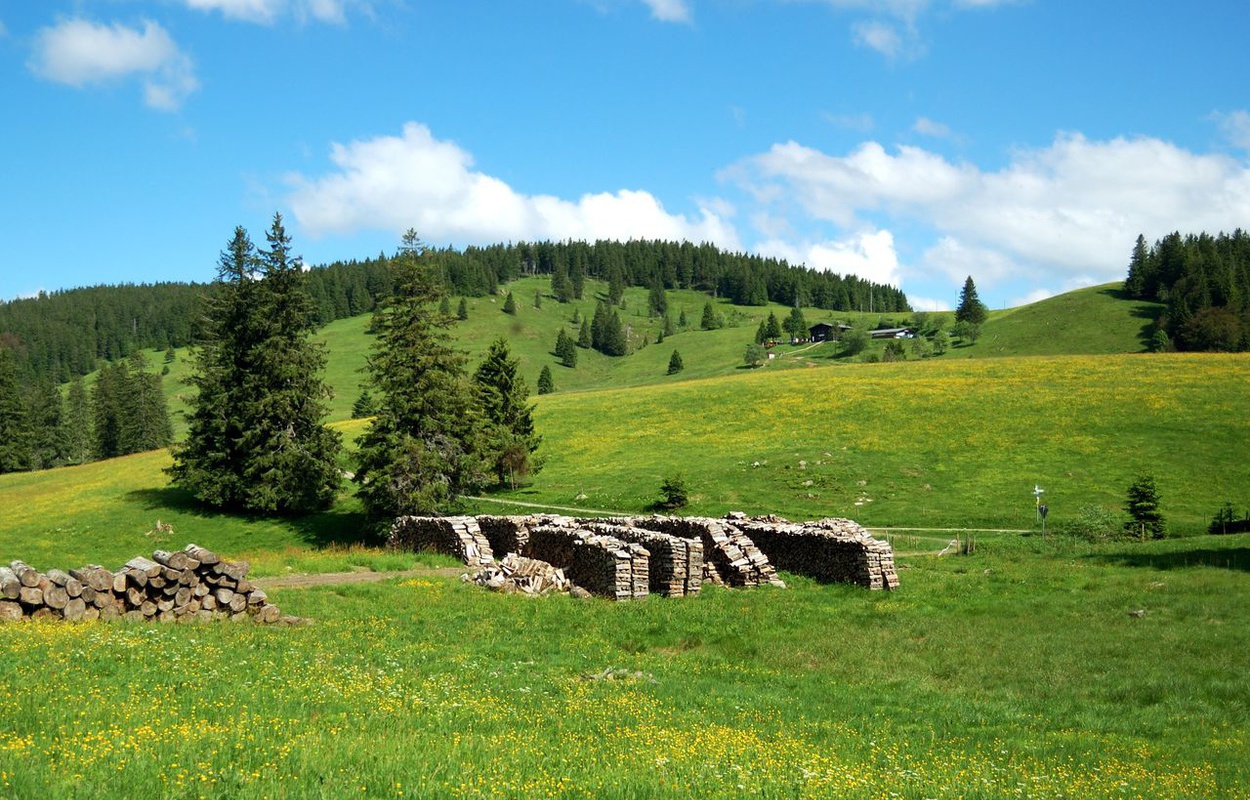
(1100, 320)
(932, 444)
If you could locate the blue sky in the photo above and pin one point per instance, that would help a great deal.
(1024, 142)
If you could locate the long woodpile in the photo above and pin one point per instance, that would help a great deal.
(192, 584)
(629, 557)
(675, 565)
(830, 550)
(457, 536)
(602, 565)
(729, 557)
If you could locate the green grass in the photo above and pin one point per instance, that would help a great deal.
(1013, 672)
(1100, 320)
(940, 443)
(1016, 671)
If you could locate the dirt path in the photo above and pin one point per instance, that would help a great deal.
(304, 580)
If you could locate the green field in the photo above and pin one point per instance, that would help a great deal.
(1014, 671)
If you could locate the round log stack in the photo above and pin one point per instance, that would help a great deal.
(189, 585)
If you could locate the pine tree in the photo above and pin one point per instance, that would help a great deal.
(796, 324)
(462, 310)
(668, 329)
(423, 450)
(538, 299)
(561, 286)
(566, 350)
(444, 305)
(1142, 505)
(761, 333)
(585, 337)
(255, 435)
(78, 435)
(657, 303)
(14, 426)
(503, 397)
(675, 364)
(970, 309)
(145, 421)
(107, 409)
(616, 287)
(509, 304)
(772, 328)
(546, 383)
(365, 406)
(709, 321)
(48, 433)
(681, 320)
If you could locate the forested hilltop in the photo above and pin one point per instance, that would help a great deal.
(1205, 282)
(65, 333)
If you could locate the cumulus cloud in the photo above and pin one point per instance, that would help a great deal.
(1236, 128)
(79, 53)
(415, 180)
(1073, 207)
(880, 36)
(269, 11)
(670, 10)
(869, 254)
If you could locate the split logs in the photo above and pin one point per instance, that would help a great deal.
(830, 550)
(192, 584)
(457, 536)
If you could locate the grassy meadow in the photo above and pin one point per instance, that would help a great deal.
(1014, 671)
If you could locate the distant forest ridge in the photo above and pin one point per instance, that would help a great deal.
(65, 333)
(1204, 281)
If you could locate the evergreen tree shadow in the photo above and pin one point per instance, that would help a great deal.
(332, 527)
(1233, 558)
(1144, 311)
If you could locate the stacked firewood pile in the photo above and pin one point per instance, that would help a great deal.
(729, 557)
(602, 565)
(629, 557)
(831, 550)
(192, 584)
(516, 573)
(457, 536)
(676, 564)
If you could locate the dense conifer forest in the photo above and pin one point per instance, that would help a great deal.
(1205, 282)
(65, 333)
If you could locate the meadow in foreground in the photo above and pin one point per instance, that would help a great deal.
(1016, 671)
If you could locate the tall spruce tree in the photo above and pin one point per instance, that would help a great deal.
(970, 308)
(145, 421)
(504, 399)
(423, 450)
(566, 349)
(14, 426)
(256, 440)
(48, 433)
(107, 410)
(77, 422)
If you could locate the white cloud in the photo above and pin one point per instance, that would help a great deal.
(928, 303)
(414, 180)
(927, 127)
(1071, 210)
(880, 36)
(78, 52)
(1035, 296)
(1236, 128)
(268, 11)
(870, 255)
(670, 10)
